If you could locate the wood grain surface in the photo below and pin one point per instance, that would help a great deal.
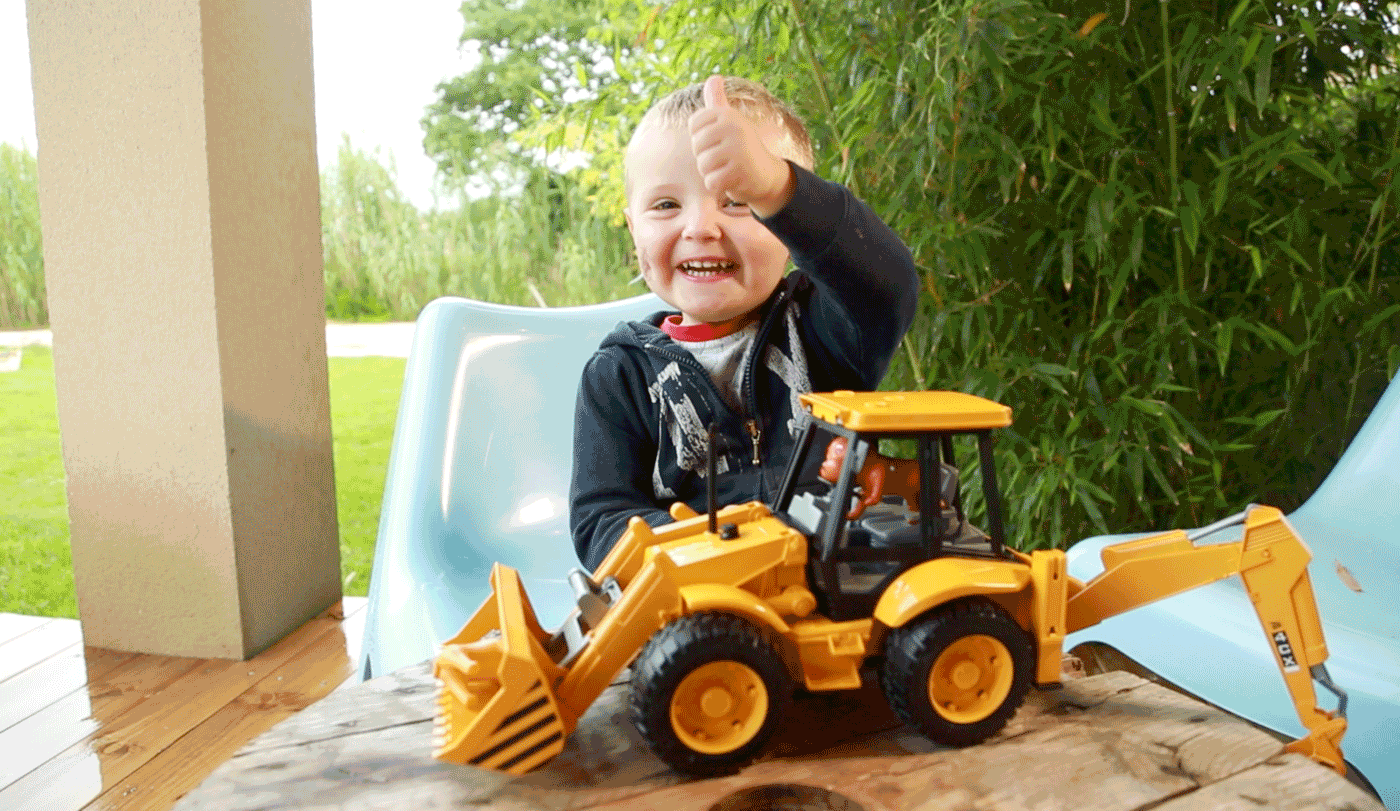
(1109, 742)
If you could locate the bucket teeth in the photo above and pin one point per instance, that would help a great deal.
(495, 709)
(524, 739)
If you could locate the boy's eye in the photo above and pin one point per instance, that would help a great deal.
(664, 205)
(735, 204)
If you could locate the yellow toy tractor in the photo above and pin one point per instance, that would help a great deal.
(720, 615)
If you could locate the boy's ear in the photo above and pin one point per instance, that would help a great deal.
(627, 215)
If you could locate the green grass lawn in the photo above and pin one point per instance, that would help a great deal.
(36, 570)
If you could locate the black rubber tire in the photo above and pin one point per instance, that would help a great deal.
(678, 650)
(912, 650)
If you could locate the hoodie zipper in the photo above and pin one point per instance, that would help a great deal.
(760, 342)
(749, 396)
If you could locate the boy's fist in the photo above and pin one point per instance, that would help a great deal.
(731, 156)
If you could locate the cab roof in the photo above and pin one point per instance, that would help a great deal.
(907, 410)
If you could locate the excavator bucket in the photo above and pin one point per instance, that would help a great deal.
(1324, 744)
(496, 703)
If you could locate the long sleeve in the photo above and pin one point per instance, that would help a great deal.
(866, 283)
(613, 460)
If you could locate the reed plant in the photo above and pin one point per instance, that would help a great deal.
(22, 301)
(536, 245)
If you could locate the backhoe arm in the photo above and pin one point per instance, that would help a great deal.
(1272, 561)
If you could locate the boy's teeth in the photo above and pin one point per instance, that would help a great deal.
(706, 268)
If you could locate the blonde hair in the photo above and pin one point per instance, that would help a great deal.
(759, 105)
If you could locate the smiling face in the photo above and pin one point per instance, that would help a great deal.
(702, 254)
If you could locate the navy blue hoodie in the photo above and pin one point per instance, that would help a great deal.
(644, 401)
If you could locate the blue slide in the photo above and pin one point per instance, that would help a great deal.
(1208, 641)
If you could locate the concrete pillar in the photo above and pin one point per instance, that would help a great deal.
(179, 202)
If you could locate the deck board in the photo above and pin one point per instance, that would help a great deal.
(90, 728)
(158, 783)
(36, 645)
(42, 685)
(12, 625)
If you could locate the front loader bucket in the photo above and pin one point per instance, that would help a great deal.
(496, 704)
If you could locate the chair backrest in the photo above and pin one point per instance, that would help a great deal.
(1352, 520)
(479, 468)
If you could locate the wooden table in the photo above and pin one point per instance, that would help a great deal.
(1107, 742)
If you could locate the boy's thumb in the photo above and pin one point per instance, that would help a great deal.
(714, 92)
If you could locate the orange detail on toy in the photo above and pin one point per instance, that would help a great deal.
(879, 474)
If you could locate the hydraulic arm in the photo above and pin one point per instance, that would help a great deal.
(1272, 561)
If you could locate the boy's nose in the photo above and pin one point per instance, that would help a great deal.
(702, 223)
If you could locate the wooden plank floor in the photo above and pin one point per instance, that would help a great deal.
(97, 730)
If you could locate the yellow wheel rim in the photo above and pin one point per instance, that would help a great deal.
(719, 707)
(970, 679)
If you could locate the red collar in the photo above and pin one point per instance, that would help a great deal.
(692, 333)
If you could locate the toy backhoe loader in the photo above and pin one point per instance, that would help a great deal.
(719, 615)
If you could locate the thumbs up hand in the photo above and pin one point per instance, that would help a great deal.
(713, 92)
(731, 156)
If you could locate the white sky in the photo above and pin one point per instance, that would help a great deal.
(376, 65)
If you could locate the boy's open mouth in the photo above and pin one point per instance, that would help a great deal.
(707, 268)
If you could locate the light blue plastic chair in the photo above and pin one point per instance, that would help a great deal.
(1208, 641)
(479, 469)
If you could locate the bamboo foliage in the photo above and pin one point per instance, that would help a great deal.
(1164, 233)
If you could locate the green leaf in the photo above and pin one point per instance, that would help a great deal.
(1251, 48)
(1134, 465)
(1224, 338)
(1091, 508)
(1074, 423)
(1148, 407)
(1093, 220)
(1309, 30)
(1190, 226)
(1221, 188)
(1256, 260)
(1294, 255)
(1310, 165)
(1067, 259)
(1190, 214)
(1239, 10)
(1272, 336)
(1091, 385)
(1262, 75)
(1160, 478)
(1380, 318)
(1135, 249)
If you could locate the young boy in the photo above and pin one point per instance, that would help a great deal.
(720, 194)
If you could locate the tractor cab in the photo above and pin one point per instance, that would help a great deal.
(898, 512)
